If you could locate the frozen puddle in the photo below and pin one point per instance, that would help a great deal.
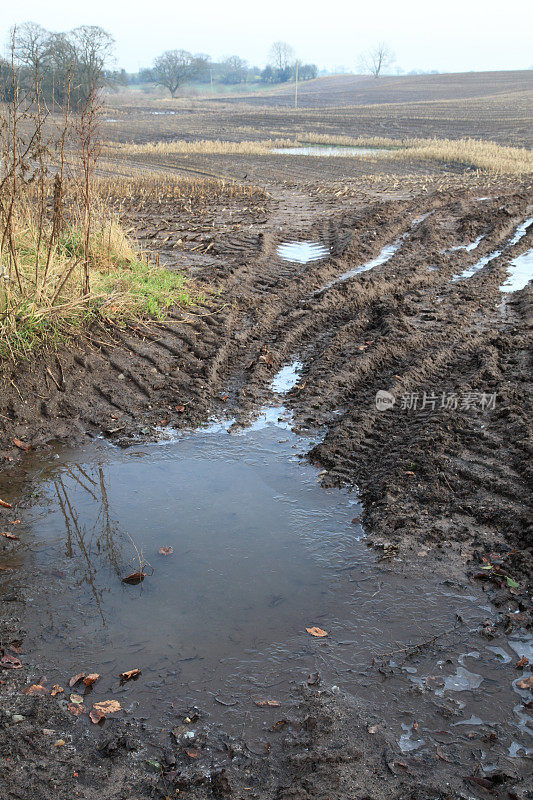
(329, 151)
(287, 378)
(520, 273)
(302, 252)
(518, 234)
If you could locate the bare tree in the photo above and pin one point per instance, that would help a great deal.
(281, 55)
(377, 59)
(173, 68)
(93, 48)
(29, 43)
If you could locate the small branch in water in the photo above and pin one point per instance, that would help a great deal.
(414, 647)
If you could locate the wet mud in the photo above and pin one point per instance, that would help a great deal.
(429, 702)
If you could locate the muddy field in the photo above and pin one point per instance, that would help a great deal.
(410, 396)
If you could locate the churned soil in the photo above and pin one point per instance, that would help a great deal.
(443, 485)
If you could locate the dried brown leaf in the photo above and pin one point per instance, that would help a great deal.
(134, 578)
(22, 445)
(37, 689)
(130, 674)
(107, 706)
(10, 662)
(318, 632)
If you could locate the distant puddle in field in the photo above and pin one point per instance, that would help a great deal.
(328, 151)
(161, 113)
(520, 272)
(518, 234)
(302, 252)
(260, 552)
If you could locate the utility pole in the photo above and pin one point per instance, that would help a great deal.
(296, 87)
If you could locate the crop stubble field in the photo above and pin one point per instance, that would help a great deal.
(444, 488)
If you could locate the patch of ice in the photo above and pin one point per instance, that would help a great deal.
(287, 378)
(302, 252)
(462, 681)
(520, 273)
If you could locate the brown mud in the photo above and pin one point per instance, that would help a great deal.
(444, 489)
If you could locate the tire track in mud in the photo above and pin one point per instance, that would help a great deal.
(429, 476)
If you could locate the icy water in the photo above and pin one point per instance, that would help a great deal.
(518, 234)
(520, 272)
(302, 252)
(329, 151)
(259, 553)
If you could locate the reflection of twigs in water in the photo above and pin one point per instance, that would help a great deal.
(88, 477)
(110, 541)
(78, 480)
(68, 511)
(412, 648)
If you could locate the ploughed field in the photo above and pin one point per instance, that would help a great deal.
(362, 340)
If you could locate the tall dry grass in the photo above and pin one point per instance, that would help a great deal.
(482, 155)
(64, 259)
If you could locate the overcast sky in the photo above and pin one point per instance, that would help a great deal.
(451, 36)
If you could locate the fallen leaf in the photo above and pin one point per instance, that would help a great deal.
(76, 698)
(442, 756)
(5, 505)
(279, 724)
(56, 689)
(90, 679)
(9, 535)
(76, 679)
(410, 473)
(192, 753)
(166, 550)
(134, 578)
(522, 662)
(22, 445)
(60, 743)
(512, 584)
(10, 662)
(130, 674)
(96, 716)
(76, 709)
(36, 688)
(525, 683)
(107, 706)
(318, 632)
